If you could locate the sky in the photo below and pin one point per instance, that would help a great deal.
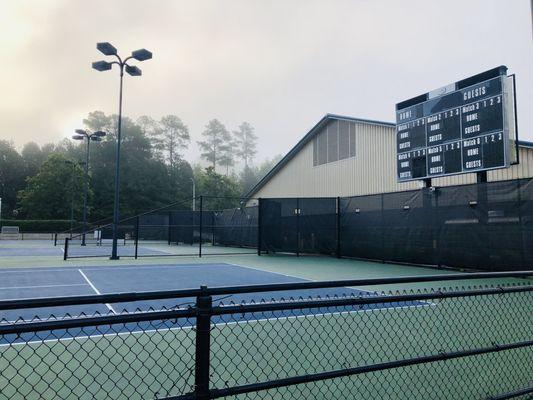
(278, 64)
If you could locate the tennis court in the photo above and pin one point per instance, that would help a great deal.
(73, 281)
(156, 358)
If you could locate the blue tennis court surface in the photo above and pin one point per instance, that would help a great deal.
(75, 281)
(77, 251)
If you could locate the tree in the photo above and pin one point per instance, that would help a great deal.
(247, 179)
(217, 139)
(98, 121)
(32, 157)
(174, 137)
(12, 175)
(144, 182)
(250, 176)
(150, 128)
(245, 142)
(227, 157)
(54, 190)
(220, 191)
(180, 181)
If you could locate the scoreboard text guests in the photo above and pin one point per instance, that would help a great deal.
(463, 127)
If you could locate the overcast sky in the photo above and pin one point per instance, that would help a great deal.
(281, 65)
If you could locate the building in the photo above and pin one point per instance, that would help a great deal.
(346, 156)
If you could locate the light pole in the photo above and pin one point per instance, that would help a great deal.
(97, 136)
(108, 49)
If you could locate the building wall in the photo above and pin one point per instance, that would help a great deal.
(372, 170)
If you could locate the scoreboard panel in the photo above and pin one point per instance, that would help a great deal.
(464, 127)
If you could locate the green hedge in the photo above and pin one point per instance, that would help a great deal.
(39, 226)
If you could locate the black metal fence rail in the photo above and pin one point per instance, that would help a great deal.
(460, 342)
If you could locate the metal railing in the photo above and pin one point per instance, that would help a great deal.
(472, 341)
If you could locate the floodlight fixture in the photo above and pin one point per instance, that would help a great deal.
(133, 70)
(99, 133)
(106, 48)
(81, 131)
(141, 54)
(77, 137)
(102, 66)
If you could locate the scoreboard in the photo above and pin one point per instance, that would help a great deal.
(468, 126)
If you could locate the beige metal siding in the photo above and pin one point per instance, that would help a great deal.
(372, 170)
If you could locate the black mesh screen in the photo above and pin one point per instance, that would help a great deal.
(361, 233)
(279, 225)
(236, 227)
(317, 225)
(486, 226)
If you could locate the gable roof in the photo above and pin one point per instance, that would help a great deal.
(306, 139)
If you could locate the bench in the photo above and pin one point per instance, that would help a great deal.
(10, 233)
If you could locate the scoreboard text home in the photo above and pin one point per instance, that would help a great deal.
(468, 126)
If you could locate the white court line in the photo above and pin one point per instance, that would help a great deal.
(96, 290)
(41, 286)
(188, 327)
(347, 287)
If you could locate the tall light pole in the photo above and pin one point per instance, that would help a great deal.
(97, 136)
(140, 55)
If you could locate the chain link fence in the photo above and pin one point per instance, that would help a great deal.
(485, 226)
(174, 230)
(461, 342)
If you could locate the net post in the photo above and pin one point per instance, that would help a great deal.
(65, 250)
(338, 223)
(204, 305)
(201, 222)
(55, 239)
(259, 227)
(136, 236)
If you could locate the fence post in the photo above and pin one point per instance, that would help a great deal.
(297, 227)
(259, 227)
(169, 227)
(204, 306)
(382, 228)
(65, 250)
(201, 222)
(520, 226)
(338, 227)
(136, 236)
(482, 214)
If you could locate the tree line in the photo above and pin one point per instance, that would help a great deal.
(46, 182)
